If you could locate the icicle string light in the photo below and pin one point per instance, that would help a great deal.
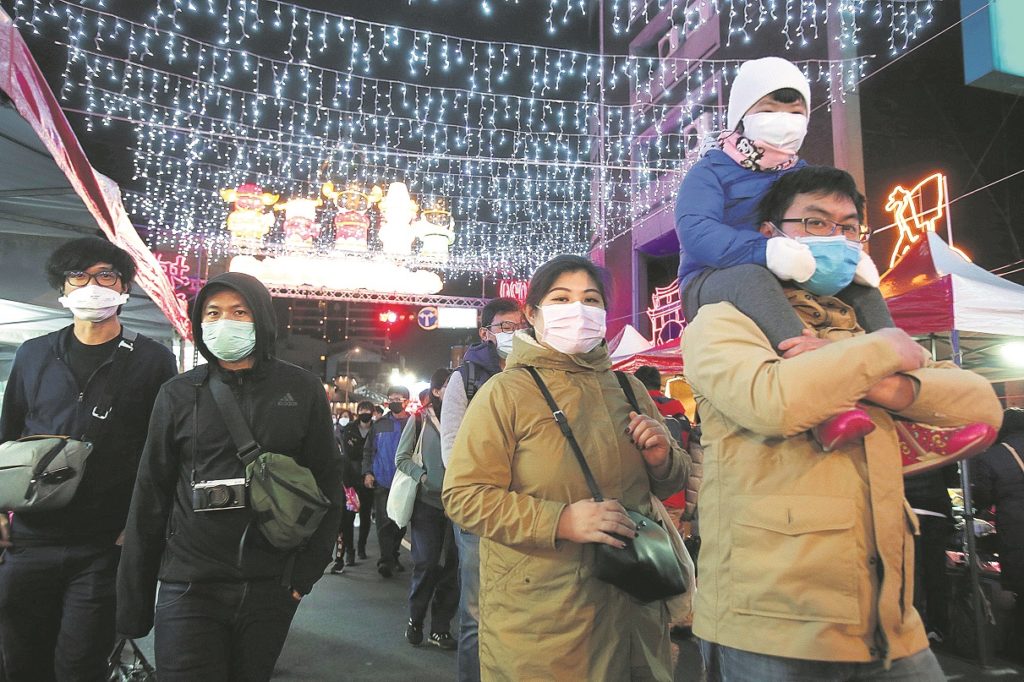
(524, 141)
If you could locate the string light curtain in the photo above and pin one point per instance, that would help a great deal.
(520, 140)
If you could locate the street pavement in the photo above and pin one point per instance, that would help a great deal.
(352, 627)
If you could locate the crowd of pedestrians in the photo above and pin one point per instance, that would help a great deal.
(526, 477)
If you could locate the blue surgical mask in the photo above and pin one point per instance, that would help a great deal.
(836, 261)
(229, 340)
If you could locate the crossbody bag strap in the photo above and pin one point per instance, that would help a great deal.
(563, 424)
(248, 448)
(101, 410)
(627, 388)
(1013, 452)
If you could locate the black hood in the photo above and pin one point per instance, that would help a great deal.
(259, 300)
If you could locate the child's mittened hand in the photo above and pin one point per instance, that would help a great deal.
(789, 259)
(867, 273)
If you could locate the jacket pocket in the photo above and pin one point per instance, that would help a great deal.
(541, 575)
(171, 593)
(795, 557)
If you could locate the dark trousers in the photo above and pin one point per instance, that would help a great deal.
(221, 631)
(932, 592)
(435, 573)
(389, 535)
(348, 521)
(758, 294)
(57, 611)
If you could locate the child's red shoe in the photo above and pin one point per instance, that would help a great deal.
(924, 447)
(842, 429)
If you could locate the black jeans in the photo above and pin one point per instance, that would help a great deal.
(435, 573)
(221, 631)
(932, 589)
(348, 519)
(57, 611)
(389, 535)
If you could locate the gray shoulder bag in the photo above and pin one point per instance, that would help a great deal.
(42, 473)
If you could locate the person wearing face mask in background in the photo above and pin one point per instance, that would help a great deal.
(500, 319)
(378, 473)
(57, 579)
(435, 572)
(353, 439)
(227, 596)
(513, 480)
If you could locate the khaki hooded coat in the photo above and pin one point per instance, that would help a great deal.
(808, 554)
(543, 615)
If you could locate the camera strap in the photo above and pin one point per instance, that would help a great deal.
(247, 447)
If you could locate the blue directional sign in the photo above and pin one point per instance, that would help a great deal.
(427, 318)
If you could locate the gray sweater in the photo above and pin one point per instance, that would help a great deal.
(428, 492)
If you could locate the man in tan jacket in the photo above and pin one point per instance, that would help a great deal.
(807, 561)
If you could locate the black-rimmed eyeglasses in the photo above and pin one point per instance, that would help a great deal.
(80, 278)
(820, 227)
(507, 327)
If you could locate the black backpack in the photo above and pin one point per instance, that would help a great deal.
(471, 379)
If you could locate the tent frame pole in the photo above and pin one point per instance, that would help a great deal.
(969, 541)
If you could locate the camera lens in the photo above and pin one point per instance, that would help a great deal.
(219, 496)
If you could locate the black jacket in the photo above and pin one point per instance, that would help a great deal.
(997, 479)
(288, 413)
(43, 397)
(352, 442)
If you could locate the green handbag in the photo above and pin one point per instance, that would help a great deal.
(41, 473)
(286, 503)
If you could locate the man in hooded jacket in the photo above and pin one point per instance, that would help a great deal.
(227, 597)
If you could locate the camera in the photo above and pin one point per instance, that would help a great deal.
(225, 493)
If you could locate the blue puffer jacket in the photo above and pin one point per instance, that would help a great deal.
(381, 446)
(716, 215)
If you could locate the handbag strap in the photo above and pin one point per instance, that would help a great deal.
(1015, 455)
(101, 410)
(247, 447)
(627, 388)
(563, 424)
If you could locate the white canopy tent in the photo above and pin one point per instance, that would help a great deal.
(628, 342)
(934, 292)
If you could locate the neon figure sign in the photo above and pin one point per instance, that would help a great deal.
(916, 211)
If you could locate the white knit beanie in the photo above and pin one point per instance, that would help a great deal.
(759, 77)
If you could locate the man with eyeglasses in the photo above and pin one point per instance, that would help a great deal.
(57, 576)
(807, 567)
(500, 319)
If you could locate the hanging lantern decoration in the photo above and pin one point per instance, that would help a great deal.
(352, 222)
(300, 226)
(436, 231)
(397, 213)
(249, 221)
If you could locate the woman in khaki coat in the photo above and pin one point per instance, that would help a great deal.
(514, 480)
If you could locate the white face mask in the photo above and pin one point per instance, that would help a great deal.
(777, 128)
(572, 328)
(504, 343)
(93, 303)
(343, 421)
